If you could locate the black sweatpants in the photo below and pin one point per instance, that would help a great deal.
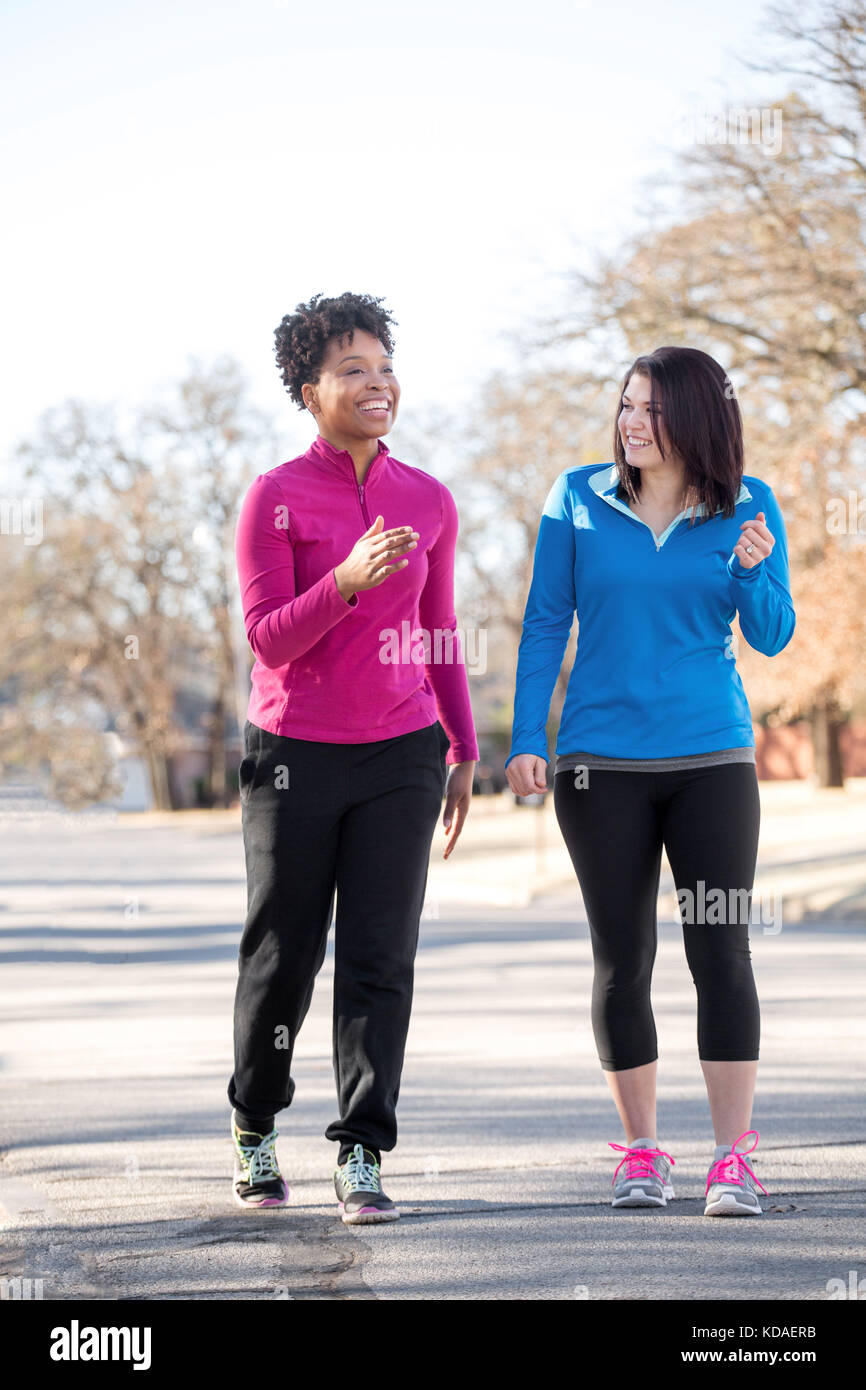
(355, 820)
(708, 819)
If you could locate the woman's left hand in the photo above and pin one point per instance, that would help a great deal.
(756, 534)
(458, 798)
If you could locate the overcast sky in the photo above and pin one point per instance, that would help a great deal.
(178, 175)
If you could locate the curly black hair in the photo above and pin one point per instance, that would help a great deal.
(302, 337)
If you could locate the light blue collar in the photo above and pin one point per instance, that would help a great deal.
(604, 484)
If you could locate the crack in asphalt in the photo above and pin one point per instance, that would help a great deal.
(307, 1258)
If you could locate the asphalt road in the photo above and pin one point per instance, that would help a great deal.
(119, 940)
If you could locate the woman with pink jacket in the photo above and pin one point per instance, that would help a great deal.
(359, 704)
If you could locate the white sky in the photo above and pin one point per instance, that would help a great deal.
(177, 176)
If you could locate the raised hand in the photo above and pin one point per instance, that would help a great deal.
(756, 534)
(372, 558)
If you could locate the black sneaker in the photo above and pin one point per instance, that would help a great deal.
(358, 1184)
(257, 1179)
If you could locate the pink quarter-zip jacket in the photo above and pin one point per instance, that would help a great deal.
(388, 661)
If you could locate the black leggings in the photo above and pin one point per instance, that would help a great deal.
(707, 818)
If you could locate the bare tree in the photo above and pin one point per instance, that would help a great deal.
(131, 583)
(765, 270)
(500, 464)
(216, 441)
(109, 580)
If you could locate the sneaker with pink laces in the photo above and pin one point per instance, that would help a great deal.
(646, 1179)
(731, 1185)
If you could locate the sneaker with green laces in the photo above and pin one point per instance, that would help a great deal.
(257, 1178)
(358, 1184)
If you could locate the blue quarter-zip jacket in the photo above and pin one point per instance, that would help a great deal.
(654, 675)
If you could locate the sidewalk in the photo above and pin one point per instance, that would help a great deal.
(812, 847)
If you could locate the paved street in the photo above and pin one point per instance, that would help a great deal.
(118, 938)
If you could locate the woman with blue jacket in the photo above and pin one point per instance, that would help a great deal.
(655, 554)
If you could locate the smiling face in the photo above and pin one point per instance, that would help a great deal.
(357, 394)
(636, 420)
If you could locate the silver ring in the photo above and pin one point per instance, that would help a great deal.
(749, 549)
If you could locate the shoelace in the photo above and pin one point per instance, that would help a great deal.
(358, 1175)
(731, 1168)
(259, 1160)
(639, 1162)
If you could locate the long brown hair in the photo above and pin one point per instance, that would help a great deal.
(701, 419)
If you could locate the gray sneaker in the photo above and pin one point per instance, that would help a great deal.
(358, 1184)
(257, 1179)
(642, 1178)
(732, 1188)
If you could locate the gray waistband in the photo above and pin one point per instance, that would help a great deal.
(566, 761)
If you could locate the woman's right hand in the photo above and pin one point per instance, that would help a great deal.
(527, 773)
(372, 557)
